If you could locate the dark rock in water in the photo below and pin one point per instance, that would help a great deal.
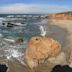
(20, 40)
(59, 68)
(3, 68)
(10, 25)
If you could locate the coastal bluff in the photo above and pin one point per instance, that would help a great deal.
(62, 20)
(61, 16)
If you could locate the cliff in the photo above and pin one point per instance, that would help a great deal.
(61, 16)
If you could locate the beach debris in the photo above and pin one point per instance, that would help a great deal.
(39, 49)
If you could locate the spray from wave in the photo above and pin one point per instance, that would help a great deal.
(43, 31)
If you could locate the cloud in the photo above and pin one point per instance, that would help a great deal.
(32, 8)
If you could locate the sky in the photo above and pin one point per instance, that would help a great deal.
(35, 6)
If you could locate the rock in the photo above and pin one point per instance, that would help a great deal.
(59, 59)
(19, 40)
(3, 68)
(70, 59)
(41, 48)
(61, 16)
(59, 68)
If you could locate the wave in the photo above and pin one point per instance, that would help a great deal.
(43, 31)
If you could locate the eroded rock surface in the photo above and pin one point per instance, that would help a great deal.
(41, 48)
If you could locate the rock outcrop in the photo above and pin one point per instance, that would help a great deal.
(41, 48)
(3, 68)
(59, 68)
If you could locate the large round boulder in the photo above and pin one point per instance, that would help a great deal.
(41, 48)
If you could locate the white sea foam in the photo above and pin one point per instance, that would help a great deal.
(9, 40)
(43, 31)
(13, 53)
(1, 35)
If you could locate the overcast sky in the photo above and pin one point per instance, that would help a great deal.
(35, 6)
